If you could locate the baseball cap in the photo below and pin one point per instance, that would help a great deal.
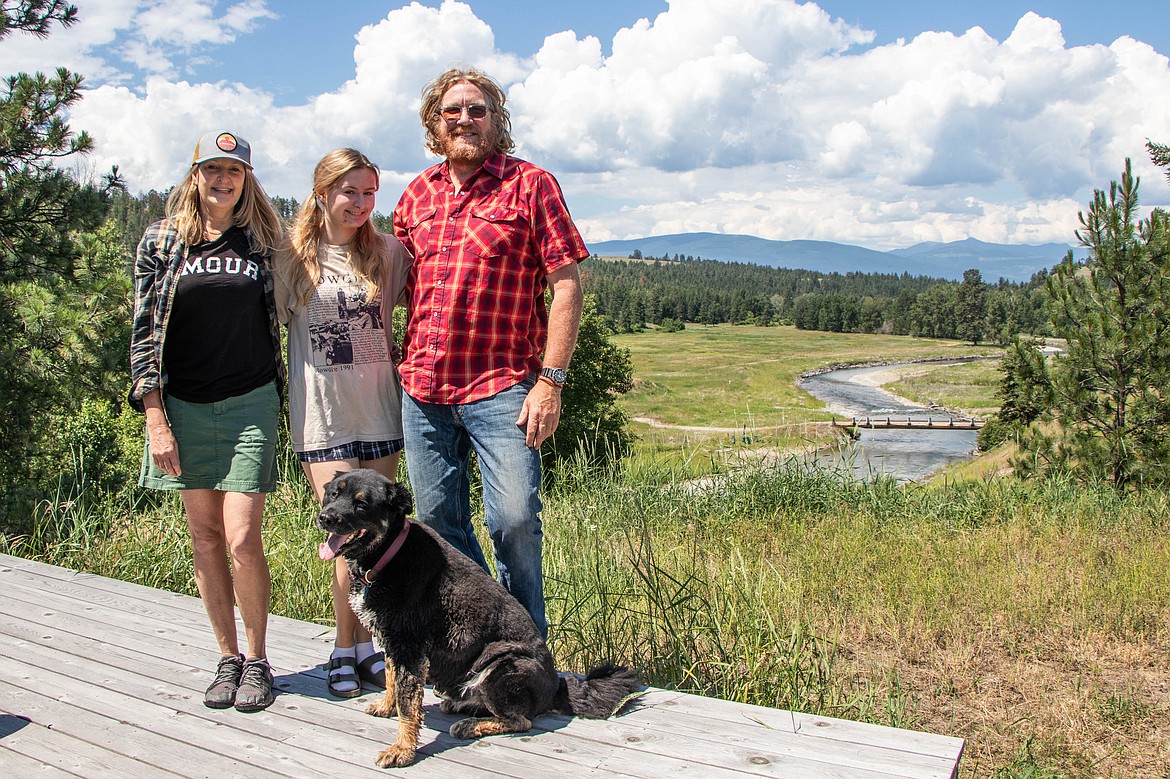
(221, 144)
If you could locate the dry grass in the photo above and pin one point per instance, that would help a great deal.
(1078, 701)
(1089, 706)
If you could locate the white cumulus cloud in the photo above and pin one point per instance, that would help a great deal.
(775, 119)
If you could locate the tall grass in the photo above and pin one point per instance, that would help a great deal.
(765, 583)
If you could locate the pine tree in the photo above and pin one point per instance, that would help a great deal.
(1109, 388)
(53, 311)
(1160, 154)
(1025, 391)
(971, 307)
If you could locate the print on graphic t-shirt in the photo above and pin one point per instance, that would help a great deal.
(212, 265)
(345, 329)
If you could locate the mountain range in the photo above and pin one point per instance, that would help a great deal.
(1015, 262)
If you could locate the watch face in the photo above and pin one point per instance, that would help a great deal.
(556, 374)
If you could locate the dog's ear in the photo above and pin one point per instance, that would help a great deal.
(398, 498)
(336, 475)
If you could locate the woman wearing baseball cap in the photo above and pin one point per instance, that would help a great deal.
(206, 368)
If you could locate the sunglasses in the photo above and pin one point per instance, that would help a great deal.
(452, 113)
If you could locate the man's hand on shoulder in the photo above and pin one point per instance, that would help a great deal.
(541, 413)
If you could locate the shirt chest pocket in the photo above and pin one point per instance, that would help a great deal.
(496, 231)
(419, 230)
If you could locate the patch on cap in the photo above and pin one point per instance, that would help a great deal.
(222, 143)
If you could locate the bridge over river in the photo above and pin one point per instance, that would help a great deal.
(908, 423)
(933, 438)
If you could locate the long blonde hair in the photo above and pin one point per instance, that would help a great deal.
(253, 213)
(367, 252)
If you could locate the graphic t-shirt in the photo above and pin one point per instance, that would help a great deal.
(218, 344)
(343, 386)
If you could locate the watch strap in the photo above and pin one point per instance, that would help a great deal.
(557, 376)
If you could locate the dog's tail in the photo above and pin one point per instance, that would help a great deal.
(603, 691)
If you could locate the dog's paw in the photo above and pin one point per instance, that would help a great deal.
(448, 706)
(395, 756)
(466, 729)
(382, 708)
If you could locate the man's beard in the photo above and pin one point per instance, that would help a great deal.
(461, 151)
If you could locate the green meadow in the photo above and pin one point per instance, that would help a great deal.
(731, 376)
(710, 397)
(1028, 617)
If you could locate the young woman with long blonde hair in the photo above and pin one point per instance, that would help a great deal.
(337, 281)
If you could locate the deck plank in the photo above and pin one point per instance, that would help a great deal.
(812, 726)
(89, 744)
(138, 598)
(104, 678)
(16, 763)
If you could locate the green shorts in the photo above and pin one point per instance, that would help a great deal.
(229, 445)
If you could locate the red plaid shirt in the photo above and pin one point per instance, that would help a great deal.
(476, 321)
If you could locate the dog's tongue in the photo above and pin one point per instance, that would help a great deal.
(329, 548)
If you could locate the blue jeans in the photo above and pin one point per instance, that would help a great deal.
(439, 442)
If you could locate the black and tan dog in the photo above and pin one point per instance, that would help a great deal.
(442, 619)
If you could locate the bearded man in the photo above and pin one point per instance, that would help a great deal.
(484, 359)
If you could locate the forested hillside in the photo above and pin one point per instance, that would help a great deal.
(668, 292)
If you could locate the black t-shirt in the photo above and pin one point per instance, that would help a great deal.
(218, 343)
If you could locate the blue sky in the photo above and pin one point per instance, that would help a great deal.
(874, 123)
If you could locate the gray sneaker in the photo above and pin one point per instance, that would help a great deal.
(255, 692)
(222, 692)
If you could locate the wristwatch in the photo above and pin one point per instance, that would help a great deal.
(557, 376)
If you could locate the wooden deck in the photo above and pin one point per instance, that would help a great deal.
(100, 678)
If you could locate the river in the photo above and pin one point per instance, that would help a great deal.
(905, 455)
